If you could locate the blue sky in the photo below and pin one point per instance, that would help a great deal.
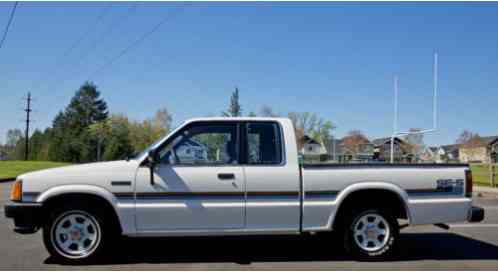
(335, 59)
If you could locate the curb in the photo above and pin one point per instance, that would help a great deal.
(485, 190)
(7, 179)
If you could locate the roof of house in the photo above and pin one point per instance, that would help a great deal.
(381, 141)
(433, 148)
(308, 140)
(450, 148)
(489, 139)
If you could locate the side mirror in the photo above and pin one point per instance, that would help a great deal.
(153, 160)
(152, 157)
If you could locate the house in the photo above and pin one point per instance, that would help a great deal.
(441, 154)
(482, 151)
(191, 151)
(430, 154)
(344, 150)
(402, 150)
(313, 150)
(450, 153)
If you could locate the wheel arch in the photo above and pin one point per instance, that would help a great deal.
(92, 193)
(385, 191)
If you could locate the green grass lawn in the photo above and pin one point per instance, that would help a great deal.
(480, 174)
(12, 169)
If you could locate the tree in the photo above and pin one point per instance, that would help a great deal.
(100, 131)
(14, 146)
(143, 134)
(310, 124)
(117, 133)
(36, 142)
(267, 111)
(354, 141)
(234, 109)
(13, 136)
(71, 140)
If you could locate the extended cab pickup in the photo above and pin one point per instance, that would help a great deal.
(235, 176)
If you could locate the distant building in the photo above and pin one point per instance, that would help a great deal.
(313, 150)
(191, 151)
(481, 153)
(441, 154)
(450, 153)
(338, 151)
(402, 150)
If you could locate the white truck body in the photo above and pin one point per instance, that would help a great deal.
(242, 198)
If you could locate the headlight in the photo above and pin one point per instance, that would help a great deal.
(16, 192)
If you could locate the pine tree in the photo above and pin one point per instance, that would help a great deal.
(71, 140)
(234, 109)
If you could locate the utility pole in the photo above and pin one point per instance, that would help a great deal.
(26, 135)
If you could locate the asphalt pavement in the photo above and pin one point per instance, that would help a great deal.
(464, 247)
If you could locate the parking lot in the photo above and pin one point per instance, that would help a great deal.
(464, 247)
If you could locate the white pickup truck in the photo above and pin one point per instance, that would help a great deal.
(245, 178)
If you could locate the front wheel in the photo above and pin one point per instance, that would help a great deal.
(74, 234)
(371, 234)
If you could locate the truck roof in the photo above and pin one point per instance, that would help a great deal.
(236, 119)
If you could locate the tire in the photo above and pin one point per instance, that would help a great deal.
(76, 233)
(371, 234)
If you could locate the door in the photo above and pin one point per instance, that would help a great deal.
(273, 184)
(198, 184)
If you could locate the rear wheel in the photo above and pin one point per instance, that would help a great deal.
(75, 233)
(371, 234)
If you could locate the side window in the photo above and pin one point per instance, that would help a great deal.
(263, 143)
(203, 144)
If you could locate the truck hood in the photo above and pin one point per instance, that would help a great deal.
(90, 172)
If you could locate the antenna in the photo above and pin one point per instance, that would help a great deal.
(434, 109)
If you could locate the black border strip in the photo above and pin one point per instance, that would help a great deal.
(31, 194)
(383, 165)
(429, 190)
(205, 194)
(321, 193)
(121, 183)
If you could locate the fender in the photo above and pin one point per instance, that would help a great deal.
(366, 185)
(85, 189)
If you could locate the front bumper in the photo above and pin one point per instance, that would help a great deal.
(27, 216)
(476, 214)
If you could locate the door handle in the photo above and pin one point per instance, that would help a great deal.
(224, 176)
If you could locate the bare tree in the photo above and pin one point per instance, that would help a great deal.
(267, 111)
(310, 124)
(354, 141)
(471, 143)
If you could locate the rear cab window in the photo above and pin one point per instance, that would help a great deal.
(263, 143)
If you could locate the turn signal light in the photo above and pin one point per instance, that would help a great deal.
(16, 192)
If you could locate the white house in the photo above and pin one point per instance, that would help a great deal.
(312, 147)
(191, 151)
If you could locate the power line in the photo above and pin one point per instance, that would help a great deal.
(105, 34)
(77, 42)
(12, 12)
(109, 30)
(137, 42)
(90, 28)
